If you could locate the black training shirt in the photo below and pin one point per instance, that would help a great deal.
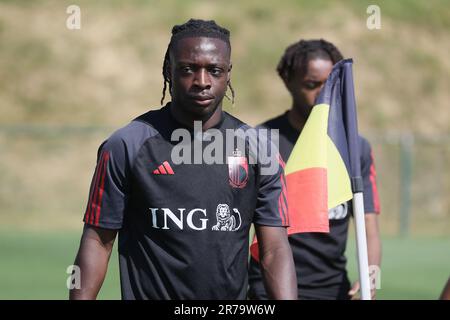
(183, 228)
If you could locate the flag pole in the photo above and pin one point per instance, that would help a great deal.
(356, 179)
(338, 92)
(361, 245)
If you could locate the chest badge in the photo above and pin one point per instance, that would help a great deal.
(237, 170)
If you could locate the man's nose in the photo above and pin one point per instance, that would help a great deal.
(202, 79)
(317, 91)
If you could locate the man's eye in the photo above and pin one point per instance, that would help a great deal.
(216, 71)
(311, 85)
(186, 69)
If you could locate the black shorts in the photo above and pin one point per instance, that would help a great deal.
(340, 292)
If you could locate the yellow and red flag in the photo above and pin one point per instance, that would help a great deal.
(316, 176)
(325, 156)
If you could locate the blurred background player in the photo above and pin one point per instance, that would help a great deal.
(319, 257)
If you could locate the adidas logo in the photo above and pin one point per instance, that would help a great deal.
(165, 168)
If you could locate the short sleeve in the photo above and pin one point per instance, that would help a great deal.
(369, 175)
(109, 186)
(272, 206)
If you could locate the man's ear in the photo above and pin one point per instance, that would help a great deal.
(229, 72)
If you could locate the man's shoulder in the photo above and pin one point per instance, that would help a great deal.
(363, 141)
(364, 145)
(231, 122)
(274, 123)
(365, 150)
(154, 118)
(134, 133)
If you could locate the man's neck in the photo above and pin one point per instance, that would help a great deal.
(187, 119)
(296, 119)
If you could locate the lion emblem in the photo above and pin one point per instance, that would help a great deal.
(226, 221)
(339, 212)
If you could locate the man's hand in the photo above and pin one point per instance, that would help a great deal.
(373, 251)
(354, 292)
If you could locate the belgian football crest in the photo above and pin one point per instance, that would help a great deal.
(237, 170)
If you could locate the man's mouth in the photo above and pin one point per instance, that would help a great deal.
(202, 100)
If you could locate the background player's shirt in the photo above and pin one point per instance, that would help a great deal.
(183, 228)
(319, 257)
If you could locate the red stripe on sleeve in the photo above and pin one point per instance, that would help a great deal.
(280, 210)
(373, 175)
(102, 188)
(91, 195)
(94, 190)
(285, 211)
(94, 202)
(281, 162)
(284, 199)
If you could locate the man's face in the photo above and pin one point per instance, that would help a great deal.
(200, 71)
(304, 88)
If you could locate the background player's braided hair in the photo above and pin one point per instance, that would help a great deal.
(193, 28)
(297, 56)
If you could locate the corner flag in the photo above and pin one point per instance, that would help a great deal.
(325, 156)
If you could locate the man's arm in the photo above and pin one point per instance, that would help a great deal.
(445, 295)
(277, 264)
(92, 259)
(373, 249)
(373, 239)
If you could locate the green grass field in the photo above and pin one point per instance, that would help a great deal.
(33, 266)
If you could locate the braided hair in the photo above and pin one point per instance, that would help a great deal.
(297, 56)
(193, 28)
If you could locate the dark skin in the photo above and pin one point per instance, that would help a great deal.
(304, 88)
(277, 263)
(92, 258)
(200, 71)
(445, 295)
